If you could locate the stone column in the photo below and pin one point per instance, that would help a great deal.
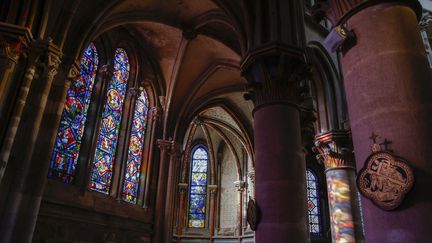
(24, 146)
(14, 41)
(336, 154)
(158, 233)
(240, 185)
(212, 192)
(183, 188)
(12, 126)
(388, 87)
(174, 163)
(280, 166)
(36, 177)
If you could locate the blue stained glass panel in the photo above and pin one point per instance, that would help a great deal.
(313, 203)
(73, 120)
(135, 151)
(101, 172)
(198, 192)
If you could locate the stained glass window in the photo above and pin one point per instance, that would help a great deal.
(135, 151)
(73, 120)
(101, 172)
(313, 203)
(198, 188)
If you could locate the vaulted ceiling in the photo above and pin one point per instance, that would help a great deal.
(197, 51)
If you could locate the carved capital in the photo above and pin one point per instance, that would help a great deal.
(183, 187)
(156, 113)
(176, 150)
(164, 145)
(338, 11)
(106, 72)
(334, 149)
(275, 75)
(53, 64)
(251, 176)
(12, 48)
(240, 185)
(425, 21)
(74, 71)
(197, 121)
(212, 190)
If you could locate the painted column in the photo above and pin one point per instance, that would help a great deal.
(212, 192)
(280, 167)
(388, 87)
(165, 147)
(336, 154)
(23, 148)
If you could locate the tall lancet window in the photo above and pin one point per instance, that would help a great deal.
(135, 151)
(73, 120)
(101, 172)
(313, 203)
(198, 188)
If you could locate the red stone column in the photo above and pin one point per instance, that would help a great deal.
(388, 88)
(165, 147)
(183, 187)
(174, 164)
(280, 167)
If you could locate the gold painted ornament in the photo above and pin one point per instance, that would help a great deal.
(385, 178)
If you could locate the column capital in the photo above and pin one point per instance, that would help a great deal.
(106, 71)
(73, 71)
(339, 11)
(251, 175)
(156, 113)
(240, 185)
(164, 145)
(12, 48)
(14, 40)
(183, 187)
(275, 76)
(334, 149)
(176, 149)
(212, 189)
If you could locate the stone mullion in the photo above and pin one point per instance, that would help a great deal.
(154, 121)
(336, 154)
(90, 134)
(26, 139)
(123, 147)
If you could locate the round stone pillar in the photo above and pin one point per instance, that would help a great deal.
(280, 167)
(388, 88)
